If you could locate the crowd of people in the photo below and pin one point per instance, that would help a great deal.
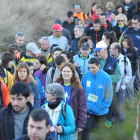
(76, 80)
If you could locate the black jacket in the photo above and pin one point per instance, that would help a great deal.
(118, 31)
(69, 27)
(7, 122)
(25, 137)
(109, 26)
(93, 33)
(133, 57)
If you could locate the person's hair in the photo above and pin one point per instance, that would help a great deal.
(74, 79)
(29, 77)
(69, 55)
(87, 21)
(111, 36)
(42, 59)
(70, 14)
(136, 17)
(29, 63)
(99, 6)
(96, 21)
(120, 6)
(115, 12)
(94, 3)
(12, 48)
(40, 114)
(80, 28)
(77, 20)
(20, 34)
(56, 90)
(56, 49)
(104, 14)
(117, 46)
(45, 38)
(94, 60)
(6, 58)
(110, 5)
(31, 92)
(129, 41)
(20, 88)
(136, 11)
(59, 60)
(82, 40)
(129, 23)
(121, 16)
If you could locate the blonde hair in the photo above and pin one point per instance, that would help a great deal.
(121, 16)
(110, 5)
(29, 77)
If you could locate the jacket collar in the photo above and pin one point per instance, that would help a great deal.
(97, 74)
(3, 72)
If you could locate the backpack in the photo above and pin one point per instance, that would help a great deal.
(6, 78)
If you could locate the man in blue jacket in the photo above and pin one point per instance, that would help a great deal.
(81, 60)
(99, 92)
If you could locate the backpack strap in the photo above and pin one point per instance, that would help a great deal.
(84, 15)
(6, 78)
(18, 56)
(125, 64)
(53, 71)
(64, 110)
(128, 31)
(0, 96)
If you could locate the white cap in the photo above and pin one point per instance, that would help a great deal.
(100, 45)
(33, 48)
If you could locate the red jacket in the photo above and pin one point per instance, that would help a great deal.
(94, 16)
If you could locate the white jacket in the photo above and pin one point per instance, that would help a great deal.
(125, 77)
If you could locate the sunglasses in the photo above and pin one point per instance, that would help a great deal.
(120, 20)
(76, 5)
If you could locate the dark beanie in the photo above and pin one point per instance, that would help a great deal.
(58, 21)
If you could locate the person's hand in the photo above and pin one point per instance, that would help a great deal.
(43, 66)
(76, 64)
(58, 129)
(79, 129)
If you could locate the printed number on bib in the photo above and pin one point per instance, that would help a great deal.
(92, 97)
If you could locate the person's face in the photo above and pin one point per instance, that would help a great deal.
(84, 53)
(31, 70)
(50, 98)
(105, 40)
(44, 45)
(101, 53)
(66, 73)
(113, 16)
(37, 64)
(57, 34)
(20, 40)
(77, 33)
(64, 55)
(37, 130)
(22, 74)
(109, 8)
(15, 53)
(112, 50)
(10, 64)
(70, 20)
(125, 44)
(18, 103)
(78, 10)
(90, 43)
(120, 21)
(135, 24)
(96, 27)
(58, 66)
(103, 20)
(94, 7)
(30, 54)
(80, 23)
(94, 68)
(127, 1)
(120, 10)
(98, 12)
(56, 53)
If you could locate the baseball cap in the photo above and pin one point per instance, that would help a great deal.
(58, 21)
(57, 27)
(85, 46)
(33, 48)
(100, 45)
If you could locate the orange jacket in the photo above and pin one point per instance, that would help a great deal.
(5, 95)
(81, 15)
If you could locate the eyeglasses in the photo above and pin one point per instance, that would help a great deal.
(120, 20)
(134, 23)
(56, 47)
(112, 49)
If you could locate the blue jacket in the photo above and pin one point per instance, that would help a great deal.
(40, 87)
(83, 63)
(100, 85)
(68, 123)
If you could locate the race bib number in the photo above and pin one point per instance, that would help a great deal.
(92, 97)
(88, 83)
